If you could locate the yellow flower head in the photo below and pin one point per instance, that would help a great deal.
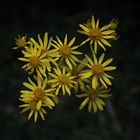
(21, 42)
(37, 97)
(93, 98)
(97, 35)
(45, 47)
(67, 50)
(35, 60)
(97, 69)
(62, 80)
(76, 71)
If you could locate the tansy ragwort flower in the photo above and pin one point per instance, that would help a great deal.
(62, 80)
(67, 51)
(76, 71)
(45, 46)
(97, 35)
(37, 97)
(34, 60)
(21, 42)
(93, 98)
(98, 69)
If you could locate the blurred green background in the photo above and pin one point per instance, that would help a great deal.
(121, 118)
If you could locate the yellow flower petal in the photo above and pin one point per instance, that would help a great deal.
(99, 104)
(89, 60)
(94, 107)
(95, 59)
(39, 105)
(35, 116)
(41, 114)
(105, 27)
(95, 47)
(86, 75)
(68, 90)
(28, 86)
(108, 32)
(107, 62)
(50, 102)
(108, 76)
(84, 27)
(40, 41)
(60, 42)
(101, 101)
(99, 42)
(101, 80)
(45, 40)
(84, 42)
(82, 95)
(101, 58)
(94, 82)
(83, 104)
(57, 90)
(93, 22)
(109, 68)
(68, 63)
(30, 114)
(71, 42)
(107, 80)
(23, 59)
(97, 24)
(105, 42)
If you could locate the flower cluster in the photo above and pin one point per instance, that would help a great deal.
(56, 67)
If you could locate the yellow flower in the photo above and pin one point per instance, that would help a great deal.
(97, 35)
(97, 69)
(21, 42)
(93, 98)
(35, 60)
(37, 97)
(67, 51)
(76, 71)
(62, 80)
(45, 46)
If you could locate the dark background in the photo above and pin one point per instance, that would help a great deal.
(121, 118)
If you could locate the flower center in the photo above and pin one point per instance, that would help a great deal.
(34, 61)
(65, 51)
(21, 42)
(93, 96)
(95, 33)
(98, 69)
(38, 93)
(63, 79)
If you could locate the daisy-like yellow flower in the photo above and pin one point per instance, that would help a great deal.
(45, 46)
(98, 69)
(93, 98)
(98, 36)
(67, 50)
(21, 42)
(36, 98)
(76, 71)
(62, 80)
(35, 60)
